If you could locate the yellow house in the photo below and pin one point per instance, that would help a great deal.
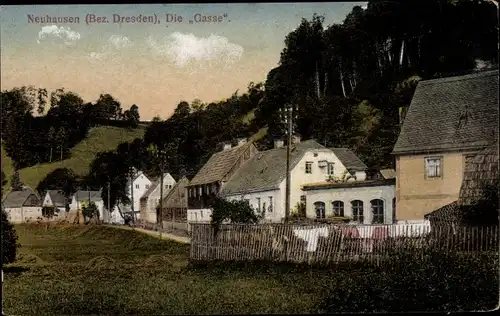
(449, 120)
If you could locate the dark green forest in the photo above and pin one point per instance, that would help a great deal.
(348, 81)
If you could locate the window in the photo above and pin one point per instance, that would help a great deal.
(320, 209)
(264, 206)
(433, 167)
(147, 186)
(357, 211)
(315, 154)
(331, 168)
(270, 204)
(378, 211)
(308, 167)
(338, 208)
(137, 186)
(258, 204)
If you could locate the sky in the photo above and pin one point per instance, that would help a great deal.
(154, 63)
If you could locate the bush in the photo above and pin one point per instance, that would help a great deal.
(9, 240)
(437, 282)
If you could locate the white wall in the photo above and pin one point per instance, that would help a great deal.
(299, 177)
(277, 209)
(154, 197)
(141, 181)
(386, 193)
(22, 214)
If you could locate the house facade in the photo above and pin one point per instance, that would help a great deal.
(262, 180)
(82, 198)
(212, 177)
(364, 202)
(23, 206)
(175, 203)
(449, 119)
(140, 184)
(151, 198)
(57, 199)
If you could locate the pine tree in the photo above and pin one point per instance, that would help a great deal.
(17, 185)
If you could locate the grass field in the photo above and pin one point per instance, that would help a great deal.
(99, 139)
(108, 271)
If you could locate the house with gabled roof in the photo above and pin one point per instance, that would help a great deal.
(151, 198)
(82, 198)
(449, 121)
(140, 184)
(175, 203)
(262, 180)
(22, 206)
(55, 198)
(213, 175)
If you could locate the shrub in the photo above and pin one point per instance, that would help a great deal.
(438, 281)
(9, 240)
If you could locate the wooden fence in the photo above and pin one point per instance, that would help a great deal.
(333, 243)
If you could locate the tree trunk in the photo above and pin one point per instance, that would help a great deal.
(50, 156)
(402, 53)
(61, 152)
(342, 80)
(318, 93)
(326, 83)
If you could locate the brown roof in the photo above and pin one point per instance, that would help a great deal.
(445, 214)
(453, 113)
(351, 184)
(176, 197)
(219, 165)
(480, 170)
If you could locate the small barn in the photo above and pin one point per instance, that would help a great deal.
(23, 206)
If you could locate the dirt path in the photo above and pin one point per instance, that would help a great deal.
(161, 235)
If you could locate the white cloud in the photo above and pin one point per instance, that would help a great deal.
(53, 31)
(183, 48)
(115, 43)
(120, 42)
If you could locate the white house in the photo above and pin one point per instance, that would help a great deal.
(365, 201)
(57, 199)
(82, 198)
(211, 178)
(22, 206)
(151, 198)
(262, 180)
(140, 184)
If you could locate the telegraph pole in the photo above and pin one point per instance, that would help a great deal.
(109, 200)
(289, 131)
(161, 187)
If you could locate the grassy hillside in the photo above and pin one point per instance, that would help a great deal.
(100, 139)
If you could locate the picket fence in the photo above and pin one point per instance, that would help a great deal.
(333, 243)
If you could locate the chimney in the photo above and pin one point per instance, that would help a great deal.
(278, 143)
(226, 146)
(295, 139)
(242, 141)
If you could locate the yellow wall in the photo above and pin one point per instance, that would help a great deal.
(417, 195)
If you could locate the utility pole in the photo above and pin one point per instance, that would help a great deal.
(132, 193)
(161, 153)
(109, 199)
(288, 114)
